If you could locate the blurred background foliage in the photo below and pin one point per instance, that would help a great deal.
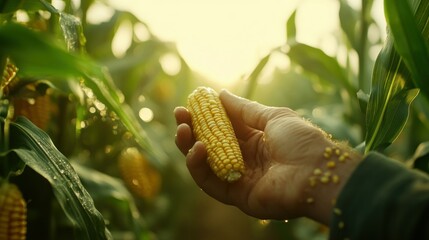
(106, 107)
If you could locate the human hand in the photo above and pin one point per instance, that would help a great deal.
(281, 152)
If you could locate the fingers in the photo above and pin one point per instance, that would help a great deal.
(254, 114)
(204, 177)
(196, 162)
(182, 115)
(184, 138)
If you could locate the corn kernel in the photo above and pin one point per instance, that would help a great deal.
(328, 150)
(335, 179)
(326, 155)
(317, 171)
(337, 211)
(337, 151)
(324, 179)
(212, 126)
(312, 181)
(330, 164)
(343, 157)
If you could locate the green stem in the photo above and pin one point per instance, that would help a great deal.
(364, 83)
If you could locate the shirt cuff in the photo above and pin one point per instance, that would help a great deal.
(383, 199)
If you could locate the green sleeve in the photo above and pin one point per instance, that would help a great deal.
(383, 199)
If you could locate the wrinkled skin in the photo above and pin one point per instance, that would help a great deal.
(280, 150)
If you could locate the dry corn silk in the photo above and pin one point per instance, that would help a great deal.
(212, 126)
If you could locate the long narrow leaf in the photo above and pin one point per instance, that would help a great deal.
(291, 28)
(390, 98)
(111, 195)
(409, 28)
(318, 63)
(36, 149)
(349, 19)
(51, 61)
(253, 78)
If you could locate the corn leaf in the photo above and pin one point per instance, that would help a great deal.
(291, 28)
(400, 66)
(8, 6)
(390, 99)
(420, 159)
(57, 64)
(408, 25)
(253, 78)
(36, 149)
(349, 20)
(318, 63)
(111, 196)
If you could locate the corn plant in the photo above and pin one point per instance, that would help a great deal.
(56, 95)
(377, 98)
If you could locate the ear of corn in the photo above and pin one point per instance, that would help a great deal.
(212, 126)
(8, 77)
(13, 213)
(38, 109)
(140, 177)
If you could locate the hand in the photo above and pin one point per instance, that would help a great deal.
(280, 150)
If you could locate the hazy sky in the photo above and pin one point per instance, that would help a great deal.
(225, 39)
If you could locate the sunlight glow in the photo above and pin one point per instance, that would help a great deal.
(141, 32)
(99, 13)
(122, 39)
(146, 114)
(224, 40)
(170, 63)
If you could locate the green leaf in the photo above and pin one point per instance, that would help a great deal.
(253, 78)
(36, 149)
(49, 60)
(409, 29)
(7, 6)
(71, 29)
(112, 197)
(349, 20)
(390, 99)
(291, 28)
(420, 159)
(38, 55)
(318, 63)
(10, 165)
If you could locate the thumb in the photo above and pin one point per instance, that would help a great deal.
(243, 111)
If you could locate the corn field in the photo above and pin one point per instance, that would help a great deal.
(87, 137)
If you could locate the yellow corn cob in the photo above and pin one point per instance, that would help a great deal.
(142, 179)
(38, 109)
(13, 213)
(8, 77)
(212, 126)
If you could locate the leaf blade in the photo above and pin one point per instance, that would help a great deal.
(36, 149)
(58, 65)
(391, 92)
(406, 27)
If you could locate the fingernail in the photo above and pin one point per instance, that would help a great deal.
(190, 151)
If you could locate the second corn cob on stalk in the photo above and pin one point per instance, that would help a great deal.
(13, 213)
(212, 126)
(142, 179)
